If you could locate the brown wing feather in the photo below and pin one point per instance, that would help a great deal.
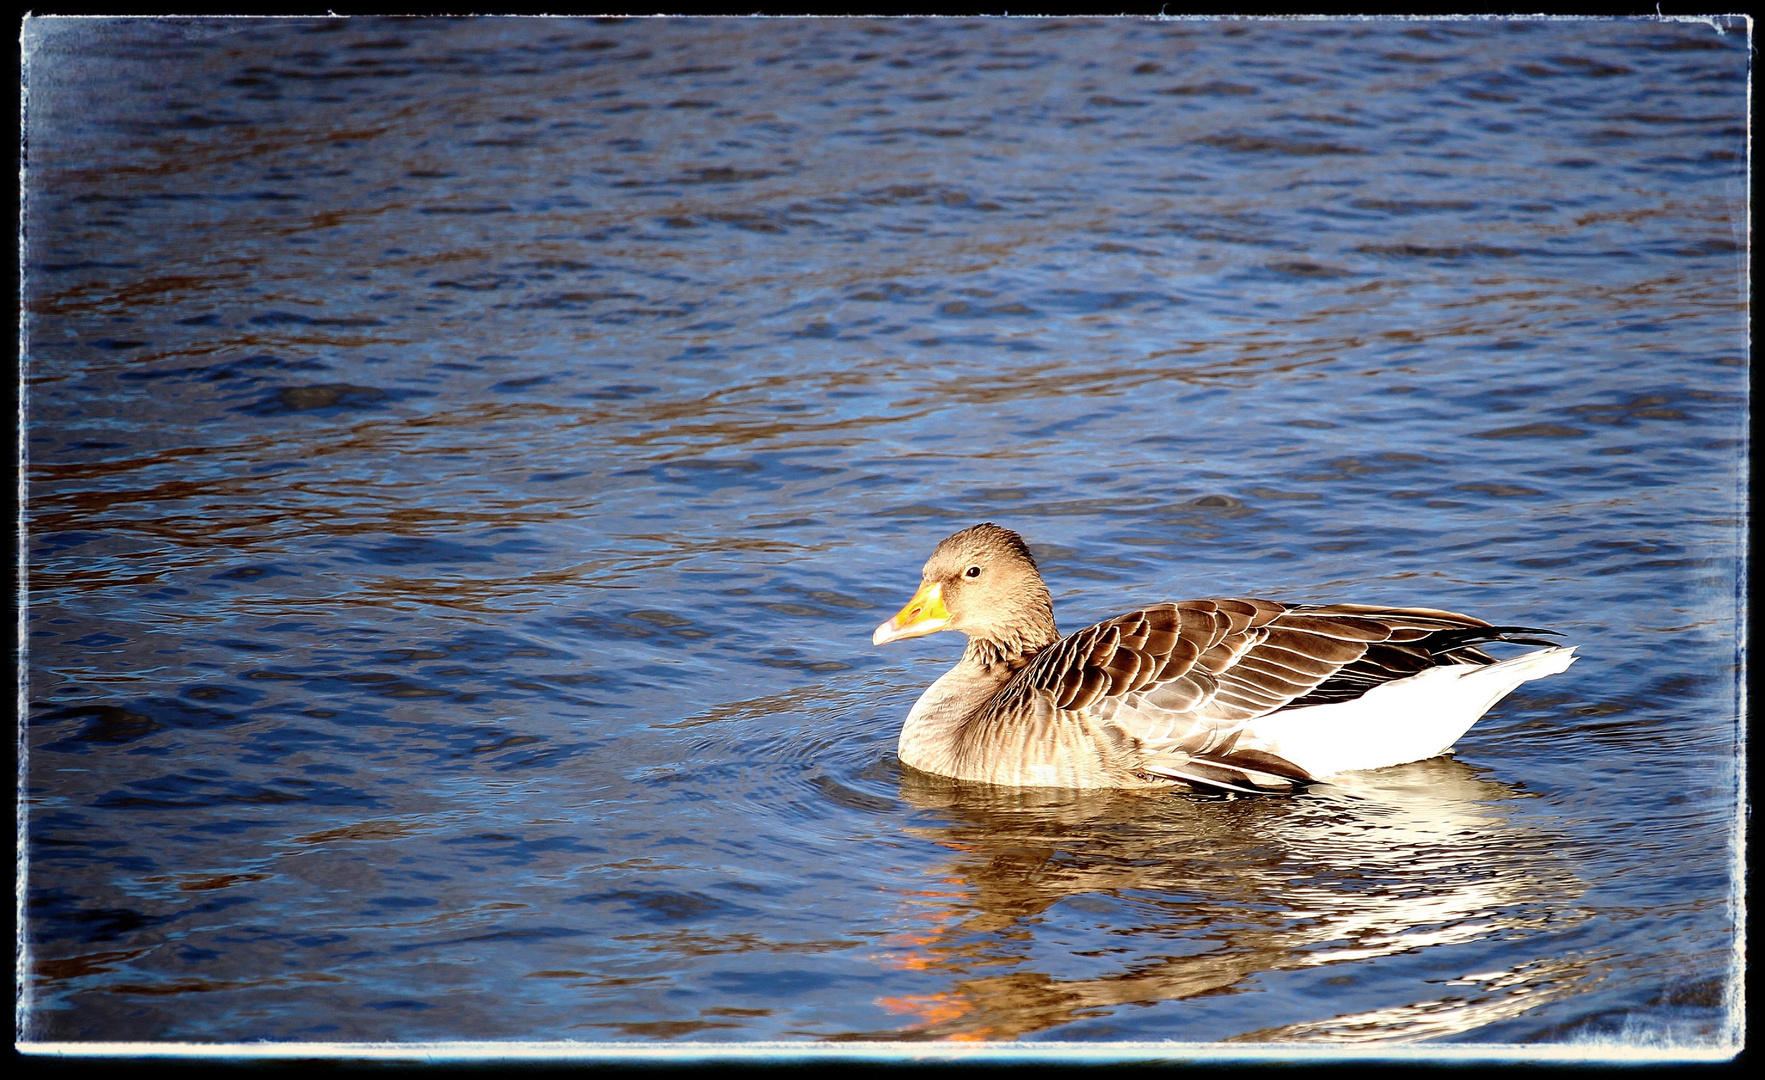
(1148, 648)
(1230, 658)
(1179, 679)
(1420, 638)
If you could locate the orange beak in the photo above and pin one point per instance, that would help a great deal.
(924, 614)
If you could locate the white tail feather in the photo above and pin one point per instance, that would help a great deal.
(1397, 722)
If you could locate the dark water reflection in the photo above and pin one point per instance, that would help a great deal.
(466, 459)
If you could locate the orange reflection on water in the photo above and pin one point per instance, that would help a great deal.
(933, 1009)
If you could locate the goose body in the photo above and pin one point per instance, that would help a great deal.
(1230, 694)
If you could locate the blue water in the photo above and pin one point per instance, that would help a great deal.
(467, 459)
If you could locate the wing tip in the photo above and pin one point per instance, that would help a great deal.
(1237, 777)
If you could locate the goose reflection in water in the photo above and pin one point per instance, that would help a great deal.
(1382, 863)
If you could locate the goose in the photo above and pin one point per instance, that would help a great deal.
(1222, 694)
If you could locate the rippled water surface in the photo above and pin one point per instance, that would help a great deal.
(467, 458)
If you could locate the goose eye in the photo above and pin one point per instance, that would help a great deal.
(973, 571)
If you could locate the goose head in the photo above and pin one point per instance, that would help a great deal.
(982, 581)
